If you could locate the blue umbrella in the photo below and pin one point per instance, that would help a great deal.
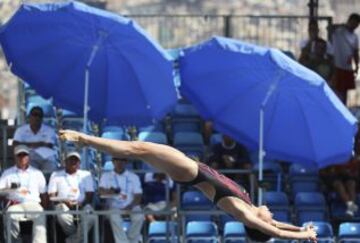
(85, 57)
(267, 101)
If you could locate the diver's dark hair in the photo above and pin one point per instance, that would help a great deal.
(257, 235)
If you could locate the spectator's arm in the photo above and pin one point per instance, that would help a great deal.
(356, 59)
(105, 191)
(44, 200)
(88, 198)
(135, 202)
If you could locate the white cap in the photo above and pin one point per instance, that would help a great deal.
(21, 149)
(73, 154)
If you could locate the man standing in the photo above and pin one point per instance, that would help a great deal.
(40, 138)
(72, 189)
(346, 54)
(126, 191)
(27, 189)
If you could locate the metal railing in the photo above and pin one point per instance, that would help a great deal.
(85, 214)
(283, 32)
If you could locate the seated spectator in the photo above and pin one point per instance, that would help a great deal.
(155, 186)
(229, 155)
(125, 190)
(308, 46)
(26, 188)
(40, 139)
(320, 62)
(343, 179)
(72, 189)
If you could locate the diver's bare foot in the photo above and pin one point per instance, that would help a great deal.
(71, 136)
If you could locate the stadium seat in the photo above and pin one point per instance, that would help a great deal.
(349, 232)
(112, 129)
(155, 137)
(304, 216)
(193, 200)
(190, 143)
(310, 200)
(278, 204)
(184, 112)
(310, 206)
(186, 126)
(324, 231)
(302, 172)
(116, 135)
(282, 215)
(276, 200)
(223, 219)
(201, 231)
(158, 127)
(234, 232)
(162, 232)
(272, 175)
(304, 186)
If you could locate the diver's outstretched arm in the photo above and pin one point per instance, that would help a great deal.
(252, 221)
(286, 226)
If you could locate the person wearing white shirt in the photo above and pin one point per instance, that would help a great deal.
(158, 189)
(346, 56)
(41, 140)
(26, 188)
(72, 189)
(126, 191)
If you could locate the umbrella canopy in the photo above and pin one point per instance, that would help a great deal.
(51, 45)
(230, 82)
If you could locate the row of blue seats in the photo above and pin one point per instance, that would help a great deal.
(234, 232)
(307, 206)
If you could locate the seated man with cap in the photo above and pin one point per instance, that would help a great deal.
(72, 189)
(26, 191)
(41, 139)
(124, 190)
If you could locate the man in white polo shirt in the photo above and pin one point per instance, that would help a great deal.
(125, 190)
(72, 189)
(41, 140)
(346, 56)
(26, 187)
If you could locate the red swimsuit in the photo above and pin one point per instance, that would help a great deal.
(224, 187)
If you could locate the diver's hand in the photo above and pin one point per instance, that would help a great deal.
(310, 230)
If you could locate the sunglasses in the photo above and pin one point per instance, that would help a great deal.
(22, 154)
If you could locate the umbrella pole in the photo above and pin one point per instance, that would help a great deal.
(95, 48)
(261, 157)
(270, 91)
(85, 164)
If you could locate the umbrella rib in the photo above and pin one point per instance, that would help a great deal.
(307, 124)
